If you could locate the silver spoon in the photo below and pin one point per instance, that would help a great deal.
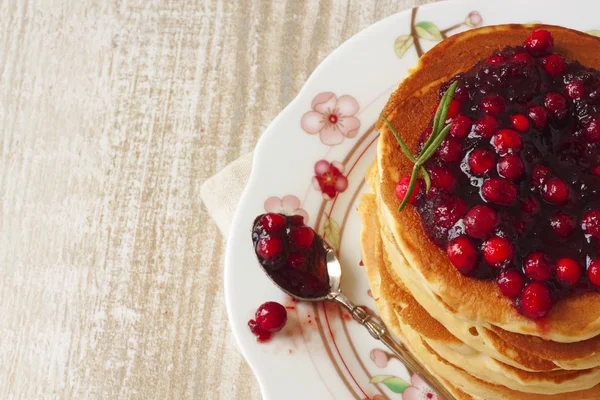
(375, 328)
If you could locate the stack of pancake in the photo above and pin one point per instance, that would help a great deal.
(463, 329)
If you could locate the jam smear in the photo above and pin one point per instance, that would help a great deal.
(524, 164)
(291, 253)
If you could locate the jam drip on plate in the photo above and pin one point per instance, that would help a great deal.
(515, 191)
(291, 254)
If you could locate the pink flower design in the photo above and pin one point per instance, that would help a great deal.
(418, 390)
(474, 19)
(329, 179)
(288, 205)
(379, 357)
(332, 118)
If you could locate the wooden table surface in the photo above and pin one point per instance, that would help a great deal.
(112, 115)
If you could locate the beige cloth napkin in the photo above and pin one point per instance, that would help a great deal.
(221, 193)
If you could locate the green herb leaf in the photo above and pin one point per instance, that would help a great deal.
(427, 179)
(411, 187)
(442, 112)
(426, 155)
(400, 141)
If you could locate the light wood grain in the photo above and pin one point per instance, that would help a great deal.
(112, 115)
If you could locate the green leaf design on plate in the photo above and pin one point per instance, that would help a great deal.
(332, 233)
(402, 44)
(594, 32)
(428, 31)
(393, 383)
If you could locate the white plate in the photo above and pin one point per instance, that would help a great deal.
(322, 354)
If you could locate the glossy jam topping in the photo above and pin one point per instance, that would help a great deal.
(291, 253)
(524, 204)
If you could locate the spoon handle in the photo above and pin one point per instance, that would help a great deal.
(380, 332)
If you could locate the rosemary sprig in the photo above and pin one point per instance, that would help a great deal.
(438, 134)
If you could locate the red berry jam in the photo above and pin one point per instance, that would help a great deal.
(269, 318)
(291, 254)
(517, 181)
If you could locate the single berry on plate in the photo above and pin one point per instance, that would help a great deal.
(539, 42)
(442, 178)
(555, 191)
(510, 282)
(462, 254)
(590, 223)
(302, 237)
(461, 126)
(520, 122)
(511, 167)
(402, 189)
(480, 221)
(553, 64)
(482, 161)
(497, 251)
(538, 116)
(507, 141)
(493, 104)
(261, 334)
(450, 150)
(269, 248)
(575, 90)
(538, 266)
(271, 316)
(499, 191)
(486, 127)
(556, 104)
(562, 224)
(536, 300)
(568, 271)
(593, 272)
(592, 129)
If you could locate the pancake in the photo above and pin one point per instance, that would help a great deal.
(572, 319)
(430, 342)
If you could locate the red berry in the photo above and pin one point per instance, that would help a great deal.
(523, 57)
(575, 90)
(538, 266)
(590, 223)
(486, 127)
(539, 176)
(539, 43)
(272, 222)
(453, 109)
(562, 224)
(449, 212)
(302, 237)
(593, 272)
(568, 271)
(510, 282)
(442, 178)
(507, 141)
(596, 170)
(268, 248)
(511, 167)
(530, 205)
(556, 104)
(461, 126)
(497, 251)
(462, 254)
(539, 116)
(553, 64)
(536, 300)
(493, 104)
(261, 335)
(495, 60)
(480, 221)
(450, 150)
(555, 191)
(482, 161)
(402, 188)
(520, 122)
(271, 316)
(499, 191)
(592, 129)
